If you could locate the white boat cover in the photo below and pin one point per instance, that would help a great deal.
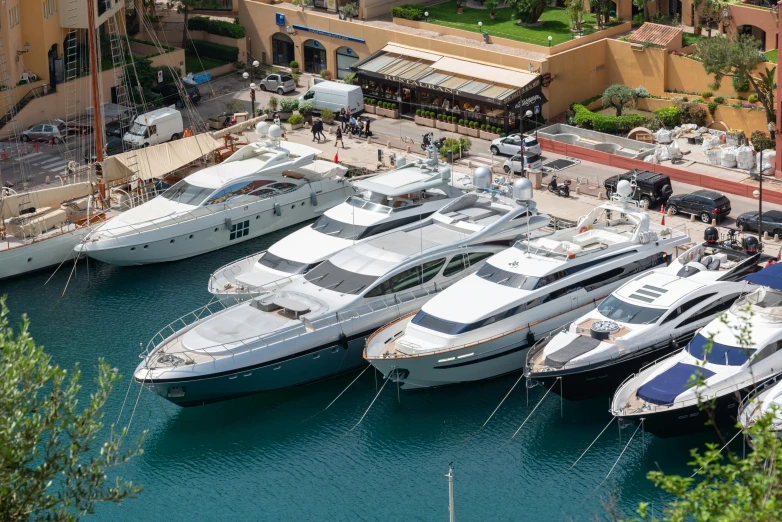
(158, 160)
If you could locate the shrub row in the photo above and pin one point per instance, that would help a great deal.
(223, 53)
(609, 124)
(216, 27)
(386, 105)
(409, 11)
(289, 104)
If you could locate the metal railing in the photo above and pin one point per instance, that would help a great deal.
(248, 344)
(232, 269)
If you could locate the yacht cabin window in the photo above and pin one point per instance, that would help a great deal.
(236, 190)
(332, 227)
(718, 306)
(186, 193)
(614, 308)
(285, 265)
(283, 186)
(331, 277)
(683, 308)
(461, 261)
(704, 349)
(418, 275)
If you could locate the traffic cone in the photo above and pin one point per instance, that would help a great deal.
(662, 211)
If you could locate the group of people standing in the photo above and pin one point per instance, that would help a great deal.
(357, 127)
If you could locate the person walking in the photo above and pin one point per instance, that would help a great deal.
(366, 128)
(342, 119)
(338, 138)
(314, 129)
(320, 130)
(348, 117)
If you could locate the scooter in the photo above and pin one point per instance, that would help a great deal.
(429, 139)
(562, 190)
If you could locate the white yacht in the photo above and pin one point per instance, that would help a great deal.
(263, 187)
(765, 399)
(653, 315)
(384, 202)
(730, 358)
(316, 326)
(478, 328)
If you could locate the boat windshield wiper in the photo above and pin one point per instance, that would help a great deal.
(335, 285)
(319, 277)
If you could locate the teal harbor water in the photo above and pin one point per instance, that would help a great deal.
(273, 457)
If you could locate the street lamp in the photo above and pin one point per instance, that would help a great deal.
(527, 115)
(549, 40)
(245, 75)
(252, 99)
(426, 14)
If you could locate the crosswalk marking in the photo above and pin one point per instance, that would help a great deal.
(27, 157)
(51, 161)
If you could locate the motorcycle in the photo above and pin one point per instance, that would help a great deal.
(560, 189)
(429, 139)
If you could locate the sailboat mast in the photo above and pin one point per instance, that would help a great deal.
(92, 42)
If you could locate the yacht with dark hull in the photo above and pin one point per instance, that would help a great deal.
(721, 364)
(653, 315)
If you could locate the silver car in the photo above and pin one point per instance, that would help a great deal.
(45, 132)
(279, 82)
(531, 161)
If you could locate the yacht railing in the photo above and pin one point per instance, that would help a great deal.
(773, 313)
(232, 269)
(745, 413)
(189, 320)
(198, 212)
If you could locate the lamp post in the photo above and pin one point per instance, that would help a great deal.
(549, 40)
(528, 115)
(252, 99)
(759, 193)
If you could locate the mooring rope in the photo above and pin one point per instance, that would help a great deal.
(720, 451)
(593, 443)
(343, 391)
(530, 413)
(620, 455)
(370, 405)
(130, 383)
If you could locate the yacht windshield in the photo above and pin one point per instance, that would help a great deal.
(702, 348)
(503, 277)
(332, 227)
(329, 276)
(358, 202)
(618, 310)
(184, 192)
(269, 260)
(138, 129)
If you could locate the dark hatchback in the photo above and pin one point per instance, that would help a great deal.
(772, 222)
(650, 187)
(171, 95)
(706, 205)
(112, 147)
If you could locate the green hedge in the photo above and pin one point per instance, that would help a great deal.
(409, 11)
(609, 124)
(216, 27)
(223, 53)
(670, 117)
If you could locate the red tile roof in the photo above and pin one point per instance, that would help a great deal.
(655, 34)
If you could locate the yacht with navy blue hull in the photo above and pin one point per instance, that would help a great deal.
(482, 326)
(316, 326)
(653, 315)
(722, 363)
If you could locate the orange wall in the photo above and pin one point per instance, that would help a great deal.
(765, 19)
(645, 67)
(577, 75)
(734, 118)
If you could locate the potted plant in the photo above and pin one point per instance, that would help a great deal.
(327, 116)
(444, 123)
(325, 74)
(491, 6)
(294, 66)
(274, 103)
(735, 137)
(287, 106)
(489, 132)
(698, 29)
(215, 122)
(423, 117)
(388, 110)
(350, 11)
(460, 6)
(296, 121)
(369, 105)
(305, 109)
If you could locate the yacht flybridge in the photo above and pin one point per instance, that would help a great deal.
(263, 187)
(316, 326)
(648, 317)
(384, 202)
(720, 364)
(478, 328)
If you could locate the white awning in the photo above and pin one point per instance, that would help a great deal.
(158, 160)
(415, 53)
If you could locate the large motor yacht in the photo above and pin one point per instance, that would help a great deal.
(263, 187)
(764, 400)
(384, 202)
(478, 328)
(316, 326)
(725, 360)
(653, 315)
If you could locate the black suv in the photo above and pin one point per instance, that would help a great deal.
(649, 187)
(706, 204)
(170, 93)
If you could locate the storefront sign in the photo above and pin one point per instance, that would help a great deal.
(327, 33)
(531, 96)
(546, 79)
(280, 19)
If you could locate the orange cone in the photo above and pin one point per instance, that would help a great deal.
(662, 211)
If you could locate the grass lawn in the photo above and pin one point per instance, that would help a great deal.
(691, 39)
(195, 66)
(772, 56)
(556, 23)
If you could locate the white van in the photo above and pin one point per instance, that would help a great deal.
(335, 96)
(155, 127)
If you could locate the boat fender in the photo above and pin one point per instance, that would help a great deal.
(277, 209)
(343, 340)
(582, 230)
(228, 223)
(530, 337)
(314, 199)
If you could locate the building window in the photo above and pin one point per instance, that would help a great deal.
(240, 230)
(13, 16)
(45, 9)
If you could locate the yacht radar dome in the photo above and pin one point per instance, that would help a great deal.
(275, 132)
(262, 128)
(481, 178)
(522, 189)
(711, 235)
(624, 188)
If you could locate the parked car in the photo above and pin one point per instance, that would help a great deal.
(45, 132)
(112, 147)
(279, 82)
(772, 222)
(531, 161)
(171, 95)
(706, 204)
(650, 187)
(511, 145)
(118, 128)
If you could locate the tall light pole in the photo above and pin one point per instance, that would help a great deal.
(759, 193)
(528, 115)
